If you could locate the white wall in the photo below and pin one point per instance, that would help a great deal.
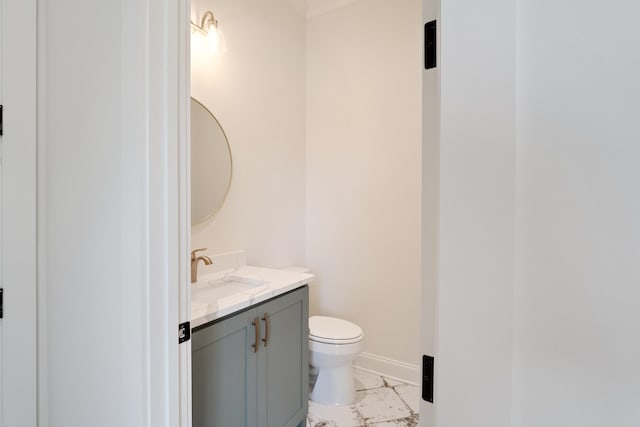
(256, 89)
(363, 171)
(577, 310)
(476, 214)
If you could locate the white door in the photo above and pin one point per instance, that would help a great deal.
(18, 213)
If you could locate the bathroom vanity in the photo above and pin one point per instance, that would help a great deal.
(250, 348)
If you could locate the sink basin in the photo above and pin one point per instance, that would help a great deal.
(213, 293)
(228, 288)
(251, 281)
(235, 286)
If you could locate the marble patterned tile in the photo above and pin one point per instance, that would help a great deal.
(410, 394)
(381, 404)
(320, 423)
(366, 380)
(390, 382)
(333, 416)
(405, 422)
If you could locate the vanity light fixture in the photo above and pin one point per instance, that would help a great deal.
(208, 27)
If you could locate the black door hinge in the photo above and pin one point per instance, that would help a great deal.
(1, 303)
(427, 378)
(0, 119)
(430, 45)
(184, 332)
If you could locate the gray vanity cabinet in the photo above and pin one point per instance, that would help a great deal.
(224, 374)
(235, 384)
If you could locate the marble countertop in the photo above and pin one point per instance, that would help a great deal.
(225, 292)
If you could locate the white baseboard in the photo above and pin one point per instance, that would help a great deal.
(390, 368)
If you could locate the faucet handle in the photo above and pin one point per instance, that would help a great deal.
(193, 253)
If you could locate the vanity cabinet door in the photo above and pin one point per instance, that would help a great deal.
(235, 386)
(224, 373)
(283, 363)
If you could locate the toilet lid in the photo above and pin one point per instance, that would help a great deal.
(332, 330)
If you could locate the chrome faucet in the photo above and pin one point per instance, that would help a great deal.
(194, 263)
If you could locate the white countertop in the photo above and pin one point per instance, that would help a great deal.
(225, 292)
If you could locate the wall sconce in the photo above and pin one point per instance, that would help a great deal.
(208, 27)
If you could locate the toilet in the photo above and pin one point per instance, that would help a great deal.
(333, 346)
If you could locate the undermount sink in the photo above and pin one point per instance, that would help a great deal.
(244, 280)
(230, 286)
(214, 292)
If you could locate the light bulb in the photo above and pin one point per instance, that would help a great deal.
(213, 38)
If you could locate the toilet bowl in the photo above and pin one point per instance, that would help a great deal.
(333, 346)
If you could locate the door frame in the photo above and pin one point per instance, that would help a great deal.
(18, 362)
(169, 239)
(184, 203)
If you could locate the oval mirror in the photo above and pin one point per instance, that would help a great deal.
(210, 163)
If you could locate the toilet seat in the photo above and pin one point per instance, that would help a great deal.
(330, 330)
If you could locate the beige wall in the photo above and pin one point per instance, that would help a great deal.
(363, 170)
(362, 160)
(255, 88)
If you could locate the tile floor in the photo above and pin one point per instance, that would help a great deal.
(380, 402)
